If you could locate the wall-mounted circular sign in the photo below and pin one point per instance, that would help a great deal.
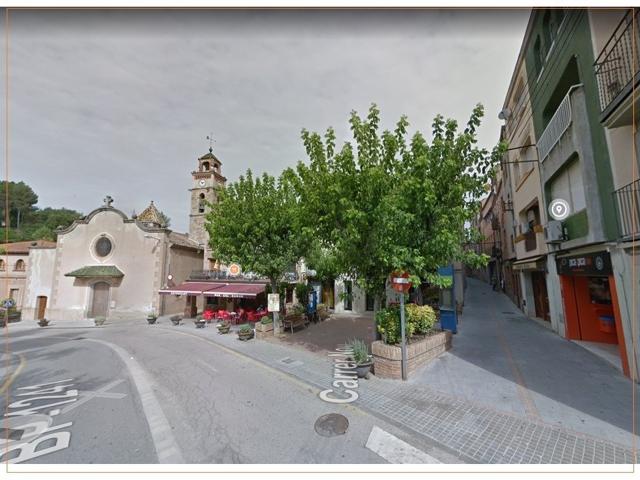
(559, 209)
(234, 269)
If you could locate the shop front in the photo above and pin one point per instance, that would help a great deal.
(590, 302)
(535, 302)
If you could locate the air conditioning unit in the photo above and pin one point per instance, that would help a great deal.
(553, 232)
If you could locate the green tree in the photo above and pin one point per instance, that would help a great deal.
(22, 200)
(254, 224)
(388, 202)
(166, 220)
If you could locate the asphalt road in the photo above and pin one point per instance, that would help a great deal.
(130, 394)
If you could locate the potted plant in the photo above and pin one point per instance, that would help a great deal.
(323, 311)
(175, 319)
(245, 332)
(152, 317)
(43, 322)
(199, 321)
(224, 327)
(361, 357)
(265, 324)
(99, 321)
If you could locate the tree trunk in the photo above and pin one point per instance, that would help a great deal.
(276, 315)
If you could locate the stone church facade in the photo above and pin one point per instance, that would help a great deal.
(110, 265)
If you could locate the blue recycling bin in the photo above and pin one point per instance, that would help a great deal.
(447, 304)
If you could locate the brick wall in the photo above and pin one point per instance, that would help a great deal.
(387, 358)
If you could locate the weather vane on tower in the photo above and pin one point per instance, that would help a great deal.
(210, 138)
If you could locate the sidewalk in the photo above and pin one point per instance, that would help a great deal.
(474, 431)
(503, 360)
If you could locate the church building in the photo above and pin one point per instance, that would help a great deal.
(110, 265)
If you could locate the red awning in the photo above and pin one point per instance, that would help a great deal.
(237, 290)
(192, 288)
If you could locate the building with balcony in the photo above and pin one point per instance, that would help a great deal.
(616, 39)
(574, 165)
(522, 179)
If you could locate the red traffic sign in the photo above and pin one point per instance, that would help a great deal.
(400, 281)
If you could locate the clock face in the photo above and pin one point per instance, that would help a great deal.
(202, 183)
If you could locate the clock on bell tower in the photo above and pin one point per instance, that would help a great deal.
(206, 179)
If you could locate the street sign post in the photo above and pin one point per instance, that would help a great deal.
(273, 305)
(401, 283)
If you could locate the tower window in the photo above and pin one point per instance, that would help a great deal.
(201, 203)
(19, 266)
(205, 166)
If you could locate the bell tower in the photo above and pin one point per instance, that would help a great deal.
(206, 179)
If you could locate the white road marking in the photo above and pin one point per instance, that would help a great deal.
(100, 393)
(394, 450)
(165, 444)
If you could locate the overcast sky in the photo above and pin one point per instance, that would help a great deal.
(120, 102)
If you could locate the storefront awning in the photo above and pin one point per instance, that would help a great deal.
(533, 263)
(237, 290)
(191, 288)
(96, 271)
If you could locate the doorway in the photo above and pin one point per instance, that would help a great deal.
(100, 302)
(41, 307)
(348, 295)
(540, 296)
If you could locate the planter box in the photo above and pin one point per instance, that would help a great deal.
(387, 358)
(263, 331)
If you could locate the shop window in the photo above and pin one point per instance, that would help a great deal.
(599, 292)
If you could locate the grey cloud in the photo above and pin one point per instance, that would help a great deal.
(120, 102)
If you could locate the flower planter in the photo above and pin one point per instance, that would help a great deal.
(151, 320)
(224, 328)
(244, 336)
(200, 323)
(264, 330)
(363, 369)
(175, 320)
(43, 322)
(387, 359)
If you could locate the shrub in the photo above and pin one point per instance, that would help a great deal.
(422, 317)
(298, 309)
(360, 351)
(388, 323)
(302, 293)
(246, 328)
(266, 320)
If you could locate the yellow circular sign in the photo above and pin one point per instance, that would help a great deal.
(234, 269)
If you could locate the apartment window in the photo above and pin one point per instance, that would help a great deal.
(568, 185)
(19, 266)
(2, 265)
(538, 55)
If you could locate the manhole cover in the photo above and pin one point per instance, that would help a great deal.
(331, 425)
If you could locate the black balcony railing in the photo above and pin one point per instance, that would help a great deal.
(627, 201)
(530, 240)
(619, 61)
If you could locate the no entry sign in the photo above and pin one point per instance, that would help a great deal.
(400, 281)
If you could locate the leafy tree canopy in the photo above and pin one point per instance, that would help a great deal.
(253, 224)
(385, 201)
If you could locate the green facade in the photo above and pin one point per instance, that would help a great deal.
(569, 60)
